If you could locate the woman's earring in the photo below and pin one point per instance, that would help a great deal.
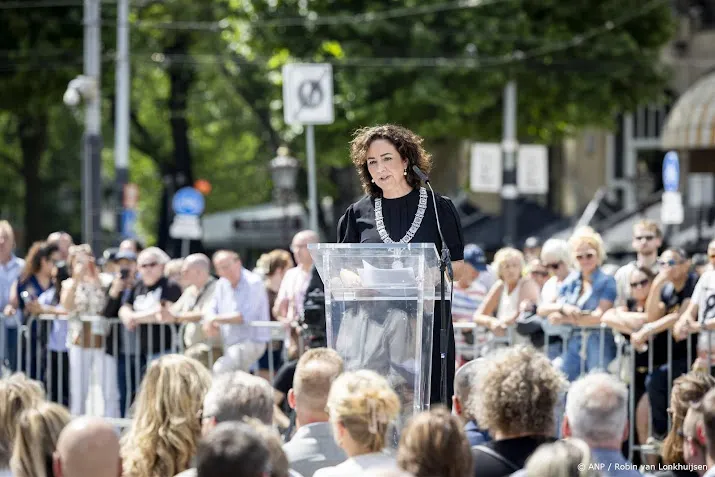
(405, 172)
(373, 181)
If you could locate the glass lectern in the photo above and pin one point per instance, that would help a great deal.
(379, 311)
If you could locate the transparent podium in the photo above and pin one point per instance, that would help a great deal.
(379, 310)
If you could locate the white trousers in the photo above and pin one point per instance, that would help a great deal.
(82, 362)
(239, 356)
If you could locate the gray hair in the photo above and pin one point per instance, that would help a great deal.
(238, 395)
(156, 253)
(199, 261)
(597, 408)
(467, 383)
(556, 249)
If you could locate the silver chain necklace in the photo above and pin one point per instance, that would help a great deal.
(380, 223)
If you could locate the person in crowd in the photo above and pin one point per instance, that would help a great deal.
(700, 263)
(519, 392)
(694, 443)
(17, 394)
(131, 246)
(239, 299)
(628, 319)
(502, 305)
(84, 299)
(233, 448)
(711, 255)
(361, 406)
(191, 308)
(687, 389)
(35, 279)
(313, 446)
(700, 312)
(172, 271)
(532, 248)
(467, 390)
(87, 446)
(668, 297)
(647, 239)
(64, 241)
(10, 269)
(433, 443)
(122, 342)
(288, 306)
(583, 299)
(38, 430)
(278, 460)
(706, 408)
(275, 265)
(537, 271)
(396, 209)
(152, 293)
(469, 293)
(165, 426)
(567, 458)
(57, 376)
(556, 257)
(235, 396)
(597, 412)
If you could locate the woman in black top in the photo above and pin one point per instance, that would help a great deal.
(398, 209)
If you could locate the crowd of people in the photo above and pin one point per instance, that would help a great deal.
(560, 360)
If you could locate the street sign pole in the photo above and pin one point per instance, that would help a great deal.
(185, 247)
(312, 179)
(510, 147)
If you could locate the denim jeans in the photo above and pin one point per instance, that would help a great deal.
(128, 379)
(657, 387)
(573, 355)
(10, 351)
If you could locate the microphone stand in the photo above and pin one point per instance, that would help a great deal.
(445, 267)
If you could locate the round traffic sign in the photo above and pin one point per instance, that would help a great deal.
(671, 172)
(188, 201)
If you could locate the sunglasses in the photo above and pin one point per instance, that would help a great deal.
(647, 238)
(541, 273)
(670, 263)
(553, 266)
(711, 256)
(586, 256)
(640, 284)
(148, 265)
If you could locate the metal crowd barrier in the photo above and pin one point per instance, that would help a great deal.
(38, 361)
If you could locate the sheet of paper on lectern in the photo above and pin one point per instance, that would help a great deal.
(375, 277)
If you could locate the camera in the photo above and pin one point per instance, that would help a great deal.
(124, 273)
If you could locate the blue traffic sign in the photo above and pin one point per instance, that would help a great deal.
(129, 223)
(671, 172)
(188, 201)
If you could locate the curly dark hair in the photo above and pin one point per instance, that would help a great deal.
(407, 143)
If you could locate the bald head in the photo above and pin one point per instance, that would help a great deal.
(197, 261)
(87, 447)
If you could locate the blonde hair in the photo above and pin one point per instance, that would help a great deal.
(505, 254)
(38, 430)
(173, 267)
(556, 249)
(166, 425)
(17, 393)
(7, 228)
(435, 444)
(314, 375)
(586, 235)
(567, 458)
(649, 225)
(364, 403)
(519, 391)
(269, 263)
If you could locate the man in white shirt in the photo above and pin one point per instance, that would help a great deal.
(239, 299)
(10, 269)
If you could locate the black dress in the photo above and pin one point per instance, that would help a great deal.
(357, 225)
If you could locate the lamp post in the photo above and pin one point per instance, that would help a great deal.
(284, 171)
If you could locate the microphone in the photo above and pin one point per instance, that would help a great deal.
(445, 265)
(445, 250)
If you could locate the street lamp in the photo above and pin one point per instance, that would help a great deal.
(284, 171)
